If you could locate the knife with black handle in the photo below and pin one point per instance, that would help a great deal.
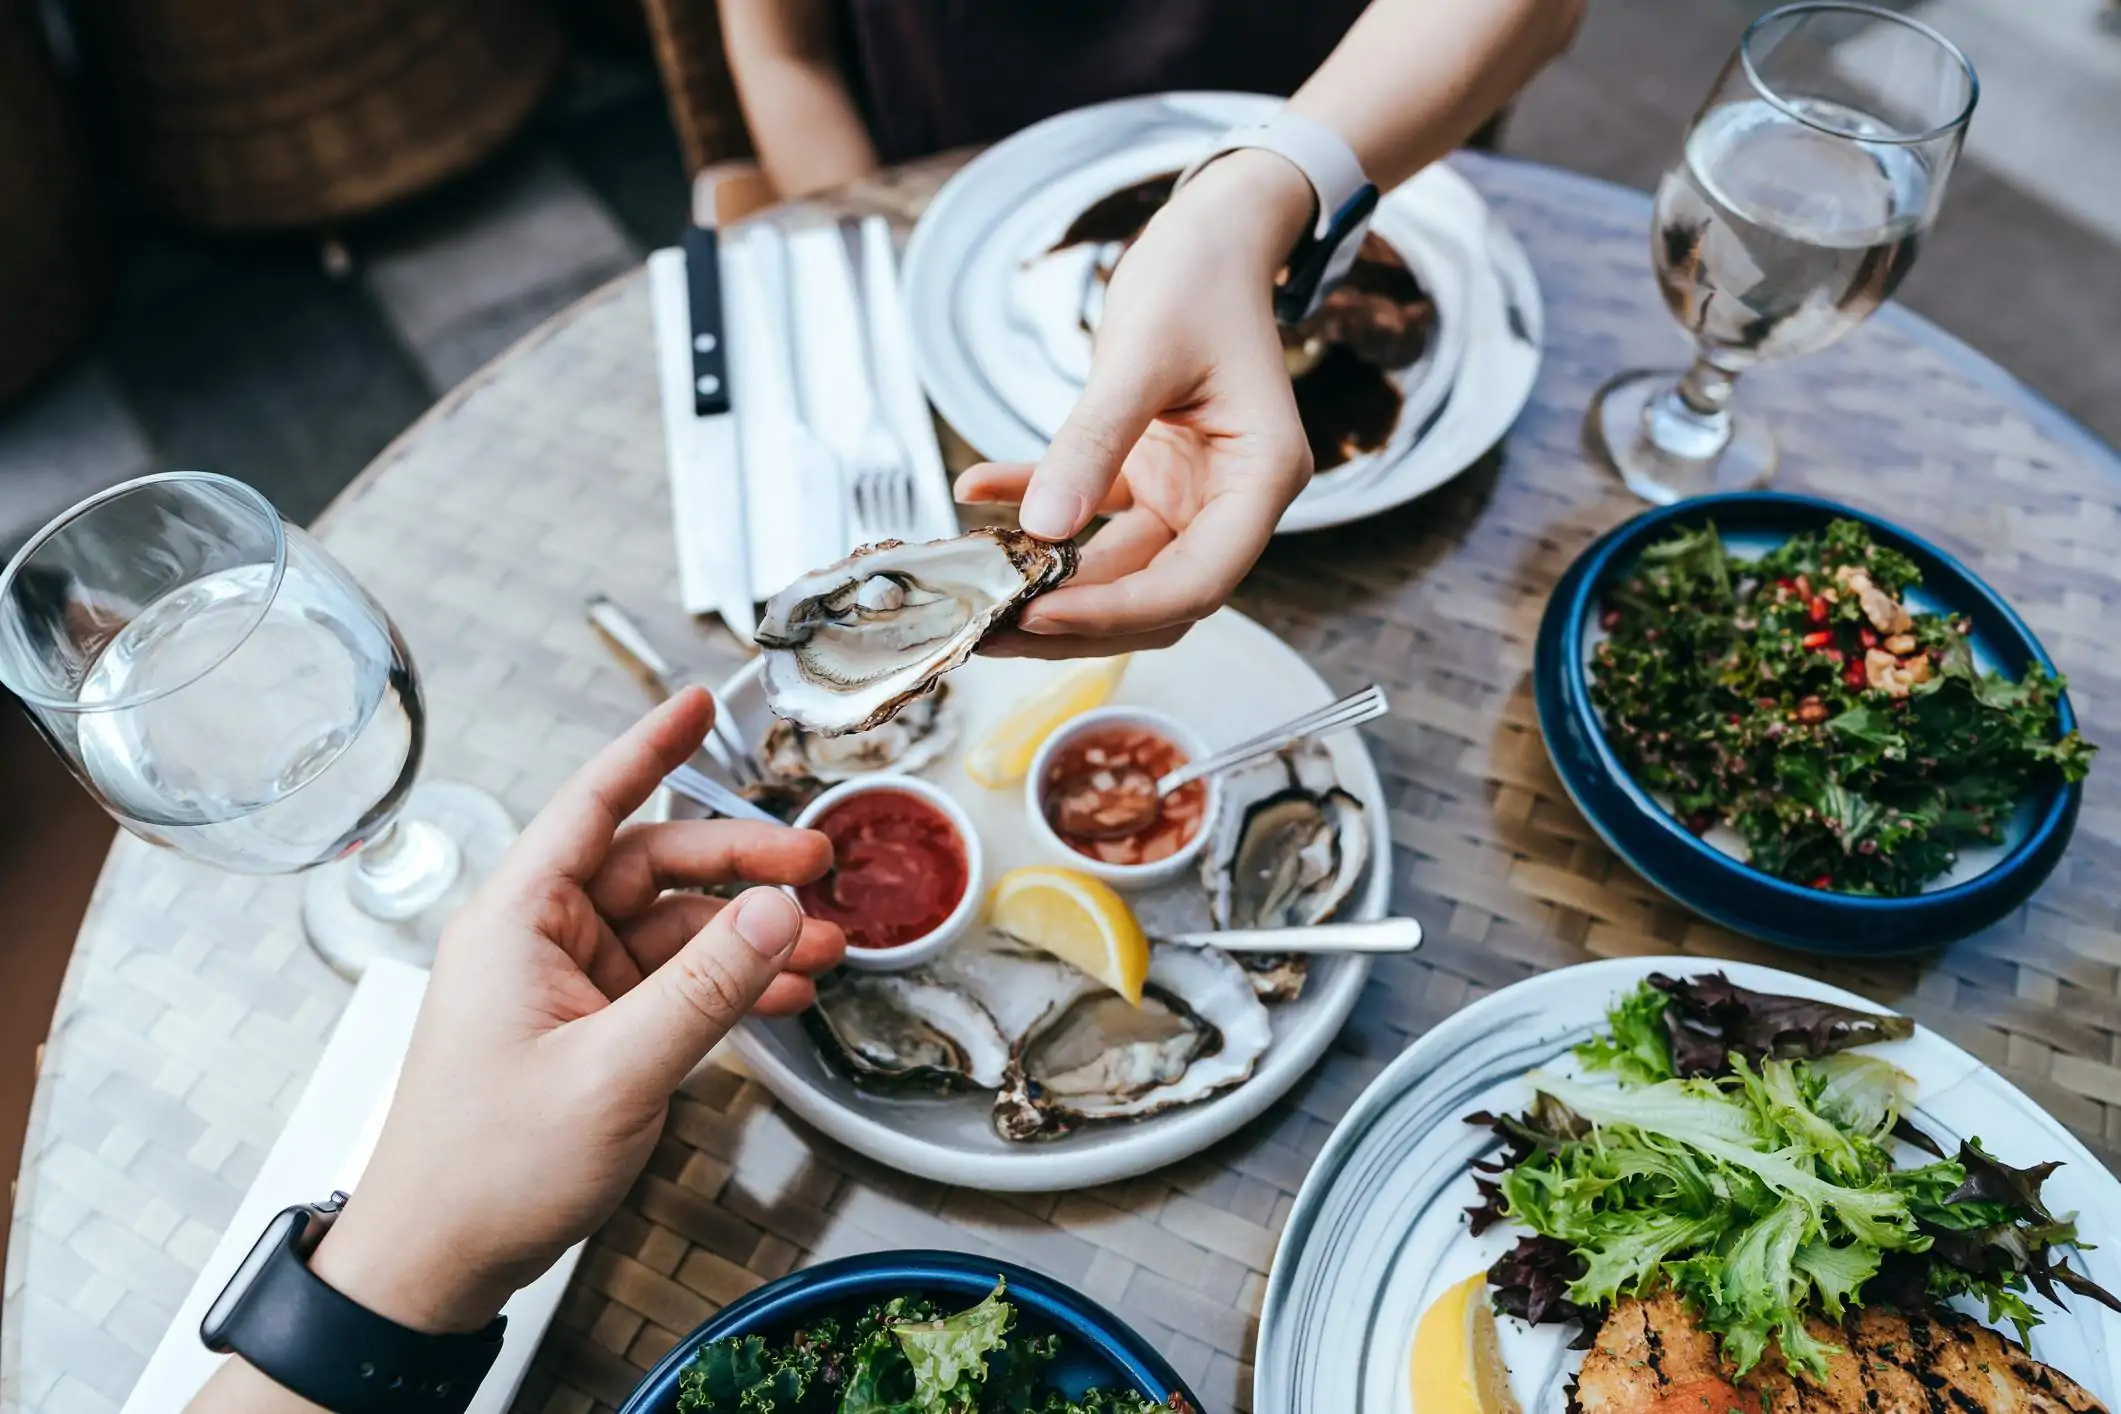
(712, 407)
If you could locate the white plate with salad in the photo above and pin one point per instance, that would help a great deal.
(1731, 1148)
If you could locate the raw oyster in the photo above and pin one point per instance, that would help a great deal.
(1294, 859)
(850, 645)
(1199, 1030)
(907, 1029)
(783, 799)
(916, 736)
(1289, 852)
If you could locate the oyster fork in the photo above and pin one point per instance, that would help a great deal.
(881, 477)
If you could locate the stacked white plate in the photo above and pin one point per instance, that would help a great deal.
(998, 315)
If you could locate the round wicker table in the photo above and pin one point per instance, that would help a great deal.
(193, 1012)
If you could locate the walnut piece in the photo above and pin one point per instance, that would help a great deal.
(1900, 644)
(1895, 676)
(1882, 609)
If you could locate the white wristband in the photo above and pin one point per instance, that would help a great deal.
(1321, 154)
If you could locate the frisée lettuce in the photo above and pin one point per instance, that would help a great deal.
(1729, 1147)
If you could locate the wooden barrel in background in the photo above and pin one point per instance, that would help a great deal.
(251, 115)
(51, 237)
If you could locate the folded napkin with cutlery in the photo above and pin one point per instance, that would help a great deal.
(324, 1146)
(794, 358)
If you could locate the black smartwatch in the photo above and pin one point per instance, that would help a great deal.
(314, 1342)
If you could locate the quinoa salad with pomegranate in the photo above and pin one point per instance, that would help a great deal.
(1849, 740)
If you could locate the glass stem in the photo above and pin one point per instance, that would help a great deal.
(404, 869)
(1691, 420)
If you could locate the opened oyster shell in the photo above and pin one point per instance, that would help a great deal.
(1059, 1049)
(1199, 1030)
(908, 1030)
(1290, 849)
(920, 733)
(850, 645)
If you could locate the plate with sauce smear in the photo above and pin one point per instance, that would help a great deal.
(1418, 364)
(951, 1137)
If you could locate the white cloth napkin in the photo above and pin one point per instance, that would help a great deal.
(791, 525)
(325, 1146)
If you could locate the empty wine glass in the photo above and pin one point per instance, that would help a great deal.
(1807, 182)
(226, 689)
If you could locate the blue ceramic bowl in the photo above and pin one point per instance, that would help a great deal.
(1716, 885)
(1096, 1348)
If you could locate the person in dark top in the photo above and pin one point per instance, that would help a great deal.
(1187, 434)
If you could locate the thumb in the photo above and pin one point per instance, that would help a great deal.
(663, 1027)
(1086, 454)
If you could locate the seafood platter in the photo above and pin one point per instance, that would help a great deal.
(1016, 1011)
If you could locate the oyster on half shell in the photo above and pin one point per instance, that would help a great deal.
(907, 1030)
(922, 731)
(1290, 849)
(1199, 1030)
(1059, 1049)
(848, 646)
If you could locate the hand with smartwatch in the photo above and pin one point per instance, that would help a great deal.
(1186, 434)
(568, 1000)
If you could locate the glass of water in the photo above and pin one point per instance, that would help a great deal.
(226, 689)
(1808, 180)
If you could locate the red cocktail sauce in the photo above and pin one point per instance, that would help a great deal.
(898, 869)
(1105, 750)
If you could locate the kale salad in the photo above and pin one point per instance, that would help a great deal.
(1743, 1156)
(1847, 738)
(902, 1356)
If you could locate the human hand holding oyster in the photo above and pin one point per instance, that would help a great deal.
(851, 645)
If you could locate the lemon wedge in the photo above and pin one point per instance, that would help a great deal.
(1457, 1361)
(1077, 918)
(1004, 754)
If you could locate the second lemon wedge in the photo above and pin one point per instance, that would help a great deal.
(1077, 918)
(1457, 1358)
(1004, 754)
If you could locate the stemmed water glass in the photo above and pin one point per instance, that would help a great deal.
(1806, 184)
(226, 689)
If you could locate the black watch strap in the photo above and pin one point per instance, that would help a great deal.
(310, 1339)
(1320, 262)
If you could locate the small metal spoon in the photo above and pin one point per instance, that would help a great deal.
(1380, 936)
(1112, 803)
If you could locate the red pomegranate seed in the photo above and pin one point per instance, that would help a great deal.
(1866, 637)
(1824, 881)
(1816, 610)
(1818, 639)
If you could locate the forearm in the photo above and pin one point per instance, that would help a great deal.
(803, 121)
(1412, 79)
(238, 1388)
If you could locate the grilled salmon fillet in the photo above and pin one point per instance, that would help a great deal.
(1651, 1357)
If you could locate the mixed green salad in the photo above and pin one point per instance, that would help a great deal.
(1744, 1157)
(1848, 739)
(902, 1356)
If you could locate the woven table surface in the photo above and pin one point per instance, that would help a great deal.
(194, 1012)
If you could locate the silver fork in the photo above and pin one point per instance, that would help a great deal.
(881, 476)
(638, 654)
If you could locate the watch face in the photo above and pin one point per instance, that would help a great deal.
(285, 1228)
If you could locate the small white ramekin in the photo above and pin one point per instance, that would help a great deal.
(928, 945)
(1120, 876)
